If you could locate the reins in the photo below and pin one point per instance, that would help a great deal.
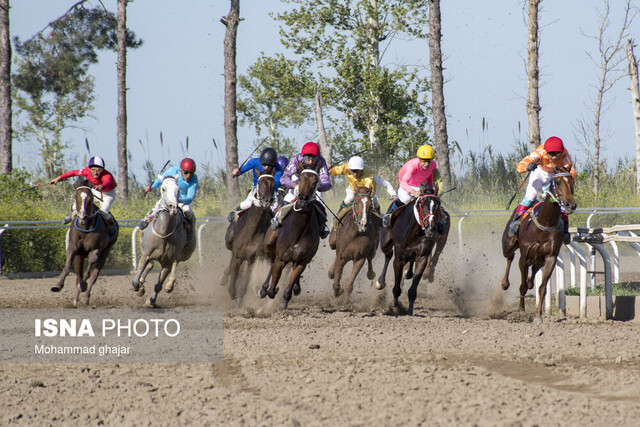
(90, 216)
(554, 198)
(417, 211)
(312, 197)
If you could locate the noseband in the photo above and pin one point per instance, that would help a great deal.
(306, 198)
(554, 190)
(355, 202)
(264, 198)
(422, 217)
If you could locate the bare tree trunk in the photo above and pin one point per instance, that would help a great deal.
(231, 21)
(373, 47)
(123, 167)
(6, 163)
(325, 147)
(635, 104)
(533, 74)
(437, 90)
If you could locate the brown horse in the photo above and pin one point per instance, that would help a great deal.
(540, 237)
(356, 240)
(88, 238)
(245, 237)
(297, 241)
(413, 236)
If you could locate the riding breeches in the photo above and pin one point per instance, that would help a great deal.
(404, 196)
(251, 198)
(537, 180)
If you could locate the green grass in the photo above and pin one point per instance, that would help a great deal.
(619, 289)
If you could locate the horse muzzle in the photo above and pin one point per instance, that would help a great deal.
(569, 207)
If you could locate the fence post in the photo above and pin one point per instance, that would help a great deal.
(2, 230)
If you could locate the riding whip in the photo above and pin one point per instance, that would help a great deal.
(514, 195)
(252, 153)
(34, 187)
(329, 209)
(445, 192)
(347, 158)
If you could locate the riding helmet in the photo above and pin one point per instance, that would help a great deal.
(283, 161)
(188, 165)
(553, 145)
(356, 163)
(426, 152)
(269, 157)
(96, 161)
(310, 149)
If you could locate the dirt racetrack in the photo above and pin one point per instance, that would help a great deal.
(466, 358)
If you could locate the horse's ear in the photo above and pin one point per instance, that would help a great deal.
(426, 188)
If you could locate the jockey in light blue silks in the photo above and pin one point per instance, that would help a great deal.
(185, 175)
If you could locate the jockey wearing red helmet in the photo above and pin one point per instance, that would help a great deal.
(540, 165)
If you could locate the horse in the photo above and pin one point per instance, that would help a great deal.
(413, 238)
(88, 239)
(245, 237)
(540, 237)
(297, 241)
(357, 239)
(165, 240)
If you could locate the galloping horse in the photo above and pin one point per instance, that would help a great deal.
(245, 238)
(165, 240)
(297, 241)
(412, 238)
(88, 238)
(540, 237)
(356, 240)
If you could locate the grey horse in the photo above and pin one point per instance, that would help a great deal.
(166, 240)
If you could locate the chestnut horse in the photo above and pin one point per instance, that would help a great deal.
(88, 238)
(245, 237)
(297, 241)
(539, 237)
(413, 236)
(357, 239)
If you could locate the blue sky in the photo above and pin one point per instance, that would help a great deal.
(176, 83)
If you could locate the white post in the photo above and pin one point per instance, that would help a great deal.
(561, 296)
(583, 279)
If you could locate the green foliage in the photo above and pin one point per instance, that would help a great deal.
(52, 87)
(618, 289)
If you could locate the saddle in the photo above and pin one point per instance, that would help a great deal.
(533, 213)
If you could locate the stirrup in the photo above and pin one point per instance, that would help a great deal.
(514, 227)
(386, 220)
(143, 224)
(324, 232)
(274, 224)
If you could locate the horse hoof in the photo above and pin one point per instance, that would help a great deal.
(169, 288)
(297, 289)
(537, 320)
(56, 289)
(83, 286)
(331, 275)
(262, 292)
(429, 278)
(380, 286)
(371, 275)
(151, 303)
(408, 275)
(505, 285)
(140, 292)
(338, 292)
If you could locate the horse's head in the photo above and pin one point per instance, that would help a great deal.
(562, 186)
(427, 210)
(362, 207)
(84, 204)
(266, 185)
(170, 194)
(307, 185)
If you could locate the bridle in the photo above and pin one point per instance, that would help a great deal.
(554, 190)
(81, 209)
(430, 218)
(263, 199)
(306, 198)
(354, 206)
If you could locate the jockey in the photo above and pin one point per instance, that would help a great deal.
(185, 175)
(358, 175)
(283, 161)
(104, 187)
(267, 162)
(540, 164)
(309, 155)
(412, 174)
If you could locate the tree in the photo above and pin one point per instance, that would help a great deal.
(231, 21)
(275, 94)
(6, 130)
(533, 76)
(635, 104)
(53, 86)
(341, 41)
(123, 169)
(437, 90)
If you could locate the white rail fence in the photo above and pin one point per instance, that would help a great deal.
(593, 238)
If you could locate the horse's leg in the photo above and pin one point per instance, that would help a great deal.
(382, 281)
(168, 288)
(505, 279)
(234, 269)
(276, 272)
(295, 276)
(241, 290)
(263, 289)
(549, 265)
(370, 273)
(138, 280)
(65, 272)
(357, 266)
(397, 284)
(146, 272)
(534, 270)
(409, 274)
(81, 285)
(524, 270)
(97, 268)
(441, 241)
(339, 267)
(224, 279)
(158, 286)
(412, 293)
(332, 272)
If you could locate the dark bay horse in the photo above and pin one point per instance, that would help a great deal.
(357, 239)
(245, 237)
(167, 241)
(88, 239)
(539, 237)
(298, 239)
(413, 238)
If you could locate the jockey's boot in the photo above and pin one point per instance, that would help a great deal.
(324, 231)
(276, 221)
(67, 219)
(143, 224)
(233, 215)
(386, 219)
(566, 238)
(270, 239)
(333, 238)
(515, 224)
